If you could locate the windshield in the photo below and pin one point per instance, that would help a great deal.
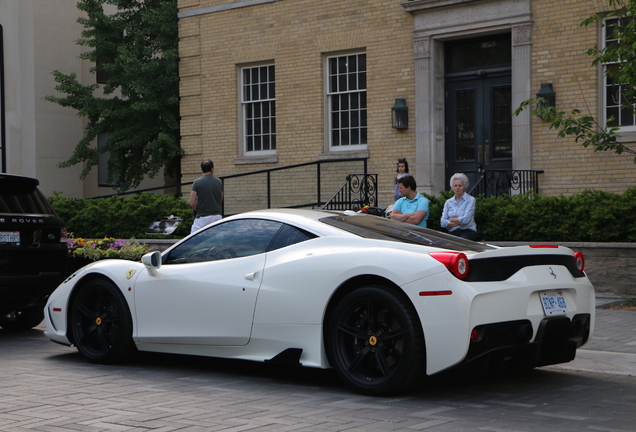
(374, 227)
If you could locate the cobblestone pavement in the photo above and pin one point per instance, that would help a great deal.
(47, 387)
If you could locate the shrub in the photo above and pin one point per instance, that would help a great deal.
(121, 217)
(590, 216)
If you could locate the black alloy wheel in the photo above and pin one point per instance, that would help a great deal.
(375, 342)
(101, 323)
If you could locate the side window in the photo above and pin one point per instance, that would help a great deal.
(289, 235)
(234, 239)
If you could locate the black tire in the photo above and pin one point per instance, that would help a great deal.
(375, 342)
(101, 323)
(22, 320)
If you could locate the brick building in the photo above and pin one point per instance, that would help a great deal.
(271, 83)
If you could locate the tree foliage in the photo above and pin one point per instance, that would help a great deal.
(138, 108)
(621, 60)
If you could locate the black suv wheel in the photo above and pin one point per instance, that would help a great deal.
(33, 252)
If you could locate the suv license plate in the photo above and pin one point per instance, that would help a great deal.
(553, 303)
(10, 237)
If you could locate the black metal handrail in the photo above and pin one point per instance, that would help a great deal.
(357, 191)
(268, 173)
(506, 182)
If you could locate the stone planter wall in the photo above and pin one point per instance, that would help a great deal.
(610, 266)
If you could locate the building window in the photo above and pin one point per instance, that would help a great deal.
(258, 100)
(102, 165)
(347, 101)
(614, 97)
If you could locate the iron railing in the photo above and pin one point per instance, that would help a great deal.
(270, 180)
(506, 182)
(357, 191)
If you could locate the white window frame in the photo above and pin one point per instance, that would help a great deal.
(247, 101)
(631, 129)
(358, 94)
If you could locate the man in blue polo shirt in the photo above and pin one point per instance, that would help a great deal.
(412, 207)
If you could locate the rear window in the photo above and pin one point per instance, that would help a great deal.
(21, 196)
(374, 227)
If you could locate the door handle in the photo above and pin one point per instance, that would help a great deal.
(251, 276)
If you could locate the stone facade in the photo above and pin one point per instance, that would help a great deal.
(558, 57)
(404, 42)
(216, 41)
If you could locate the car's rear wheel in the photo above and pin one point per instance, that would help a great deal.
(375, 341)
(101, 323)
(22, 320)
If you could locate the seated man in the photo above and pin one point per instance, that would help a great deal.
(412, 207)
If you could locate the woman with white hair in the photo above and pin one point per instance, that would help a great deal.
(458, 215)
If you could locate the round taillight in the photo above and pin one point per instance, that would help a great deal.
(579, 260)
(462, 266)
(455, 262)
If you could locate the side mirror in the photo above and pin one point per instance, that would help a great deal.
(152, 261)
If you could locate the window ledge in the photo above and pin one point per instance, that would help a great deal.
(244, 160)
(626, 137)
(343, 154)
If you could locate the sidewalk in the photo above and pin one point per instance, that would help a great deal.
(612, 349)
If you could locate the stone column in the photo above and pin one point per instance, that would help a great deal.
(521, 90)
(429, 115)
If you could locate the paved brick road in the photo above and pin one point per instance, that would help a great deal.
(47, 387)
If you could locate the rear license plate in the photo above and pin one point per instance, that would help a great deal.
(10, 237)
(553, 303)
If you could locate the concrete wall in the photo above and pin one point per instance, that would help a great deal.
(609, 266)
(39, 37)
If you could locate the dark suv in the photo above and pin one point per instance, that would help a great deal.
(33, 252)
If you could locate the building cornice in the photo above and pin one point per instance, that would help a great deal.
(222, 7)
(416, 5)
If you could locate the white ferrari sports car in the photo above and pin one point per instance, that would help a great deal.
(384, 303)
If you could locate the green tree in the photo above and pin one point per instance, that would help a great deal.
(622, 57)
(137, 49)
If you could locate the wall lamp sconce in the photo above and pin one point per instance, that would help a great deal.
(400, 113)
(548, 94)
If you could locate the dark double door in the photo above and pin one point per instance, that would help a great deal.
(478, 126)
(478, 107)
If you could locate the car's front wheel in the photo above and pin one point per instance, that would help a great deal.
(375, 342)
(101, 323)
